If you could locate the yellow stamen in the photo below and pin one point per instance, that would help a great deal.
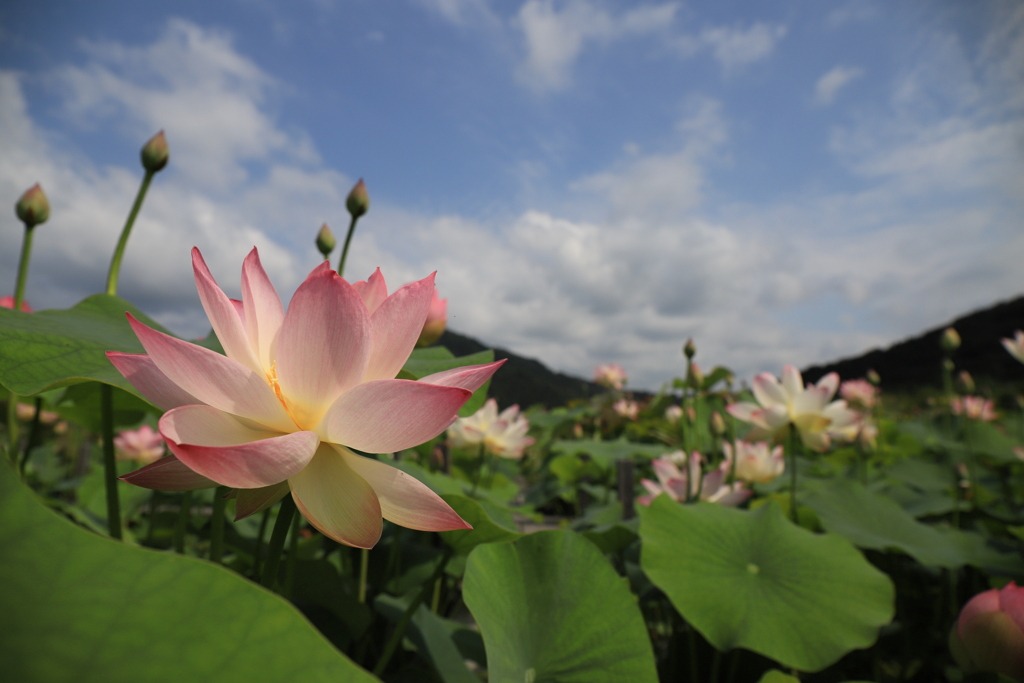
(276, 386)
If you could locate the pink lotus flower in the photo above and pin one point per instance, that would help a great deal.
(989, 633)
(437, 319)
(859, 392)
(755, 462)
(626, 408)
(295, 392)
(502, 434)
(1015, 346)
(680, 486)
(673, 413)
(143, 444)
(610, 375)
(8, 302)
(975, 408)
(809, 408)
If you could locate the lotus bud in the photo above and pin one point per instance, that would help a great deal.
(673, 413)
(950, 340)
(989, 633)
(358, 201)
(33, 207)
(691, 414)
(966, 382)
(695, 378)
(717, 424)
(948, 365)
(325, 241)
(689, 349)
(873, 377)
(155, 153)
(437, 319)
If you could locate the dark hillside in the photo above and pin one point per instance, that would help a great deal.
(915, 363)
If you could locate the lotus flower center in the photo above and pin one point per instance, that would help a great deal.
(276, 386)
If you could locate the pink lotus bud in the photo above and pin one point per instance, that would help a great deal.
(695, 377)
(717, 424)
(143, 445)
(689, 349)
(950, 340)
(966, 382)
(33, 207)
(873, 377)
(325, 240)
(8, 302)
(989, 634)
(437, 319)
(691, 414)
(358, 201)
(155, 153)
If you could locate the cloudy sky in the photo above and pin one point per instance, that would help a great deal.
(594, 181)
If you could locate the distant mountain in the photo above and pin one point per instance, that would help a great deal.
(523, 381)
(915, 362)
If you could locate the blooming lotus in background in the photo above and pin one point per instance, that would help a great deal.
(26, 413)
(144, 445)
(295, 392)
(811, 409)
(437, 319)
(975, 408)
(8, 302)
(610, 375)
(680, 485)
(626, 408)
(859, 392)
(989, 633)
(755, 462)
(674, 413)
(1015, 346)
(503, 434)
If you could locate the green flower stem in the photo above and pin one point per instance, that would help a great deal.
(33, 435)
(26, 252)
(403, 622)
(344, 250)
(364, 566)
(281, 526)
(293, 556)
(217, 524)
(791, 447)
(122, 242)
(479, 470)
(109, 462)
(264, 518)
(12, 426)
(179, 527)
(153, 500)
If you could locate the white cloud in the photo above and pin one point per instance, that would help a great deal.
(555, 35)
(829, 85)
(462, 12)
(734, 47)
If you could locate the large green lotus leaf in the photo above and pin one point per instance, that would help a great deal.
(755, 580)
(485, 530)
(80, 607)
(982, 438)
(55, 348)
(607, 452)
(872, 520)
(550, 608)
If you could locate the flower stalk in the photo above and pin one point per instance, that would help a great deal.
(217, 524)
(358, 203)
(277, 538)
(109, 461)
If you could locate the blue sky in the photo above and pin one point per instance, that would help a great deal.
(785, 182)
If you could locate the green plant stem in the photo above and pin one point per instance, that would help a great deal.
(791, 446)
(396, 535)
(33, 435)
(12, 426)
(26, 252)
(122, 242)
(344, 250)
(264, 519)
(217, 524)
(277, 537)
(692, 640)
(716, 666)
(109, 462)
(403, 622)
(436, 600)
(184, 511)
(364, 566)
(479, 470)
(153, 499)
(293, 555)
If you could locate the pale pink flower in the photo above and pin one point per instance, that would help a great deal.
(503, 434)
(295, 392)
(610, 375)
(626, 408)
(1015, 346)
(809, 408)
(975, 408)
(859, 392)
(989, 633)
(679, 485)
(144, 445)
(673, 413)
(755, 462)
(27, 412)
(8, 302)
(437, 319)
